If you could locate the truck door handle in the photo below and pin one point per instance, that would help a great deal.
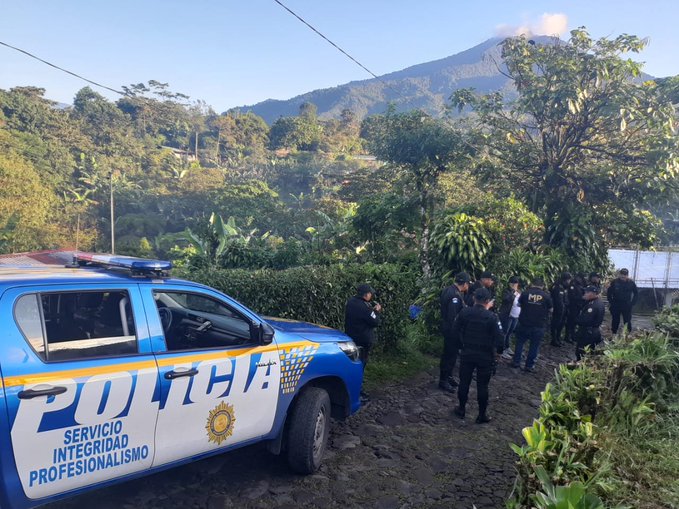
(171, 375)
(36, 393)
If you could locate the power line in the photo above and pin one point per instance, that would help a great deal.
(329, 41)
(62, 69)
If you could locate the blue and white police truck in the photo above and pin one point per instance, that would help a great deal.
(111, 370)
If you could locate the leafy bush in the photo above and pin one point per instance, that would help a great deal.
(460, 242)
(510, 224)
(601, 425)
(667, 321)
(319, 294)
(528, 265)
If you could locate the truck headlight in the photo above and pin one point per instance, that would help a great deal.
(349, 348)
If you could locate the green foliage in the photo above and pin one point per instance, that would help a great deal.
(461, 242)
(667, 321)
(601, 427)
(510, 224)
(573, 496)
(319, 294)
(25, 206)
(583, 134)
(422, 148)
(296, 133)
(387, 223)
(529, 265)
(646, 368)
(573, 230)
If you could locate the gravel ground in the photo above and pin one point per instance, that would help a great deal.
(404, 449)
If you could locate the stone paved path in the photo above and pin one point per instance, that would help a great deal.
(404, 449)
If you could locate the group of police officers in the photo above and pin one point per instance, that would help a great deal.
(479, 334)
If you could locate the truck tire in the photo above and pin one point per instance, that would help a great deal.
(308, 430)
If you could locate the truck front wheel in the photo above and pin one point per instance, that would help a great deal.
(308, 430)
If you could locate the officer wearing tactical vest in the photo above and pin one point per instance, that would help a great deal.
(535, 307)
(482, 340)
(589, 320)
(452, 302)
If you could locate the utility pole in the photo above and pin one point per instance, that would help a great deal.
(113, 229)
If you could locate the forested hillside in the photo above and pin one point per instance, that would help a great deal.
(425, 86)
(227, 189)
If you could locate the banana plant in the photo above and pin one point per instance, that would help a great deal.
(214, 241)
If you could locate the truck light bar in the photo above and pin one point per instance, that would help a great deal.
(138, 266)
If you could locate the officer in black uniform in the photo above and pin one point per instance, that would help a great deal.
(535, 307)
(482, 340)
(622, 294)
(595, 280)
(589, 320)
(452, 302)
(487, 281)
(559, 293)
(575, 304)
(361, 318)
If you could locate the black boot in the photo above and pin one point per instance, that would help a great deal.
(448, 384)
(483, 418)
(459, 411)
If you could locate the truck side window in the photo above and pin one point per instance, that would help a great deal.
(78, 325)
(27, 314)
(192, 321)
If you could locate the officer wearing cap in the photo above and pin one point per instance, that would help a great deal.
(452, 302)
(361, 318)
(559, 294)
(535, 307)
(622, 294)
(595, 280)
(481, 340)
(487, 281)
(589, 320)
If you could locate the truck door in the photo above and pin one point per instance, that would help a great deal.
(219, 387)
(80, 384)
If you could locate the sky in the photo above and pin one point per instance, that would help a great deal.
(233, 52)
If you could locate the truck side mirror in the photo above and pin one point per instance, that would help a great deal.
(262, 333)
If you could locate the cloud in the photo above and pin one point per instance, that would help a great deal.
(548, 24)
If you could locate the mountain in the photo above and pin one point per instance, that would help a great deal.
(425, 86)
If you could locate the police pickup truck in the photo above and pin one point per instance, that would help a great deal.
(111, 370)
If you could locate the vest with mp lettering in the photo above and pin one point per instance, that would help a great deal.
(535, 307)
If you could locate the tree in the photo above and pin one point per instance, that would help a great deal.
(422, 147)
(584, 136)
(239, 135)
(158, 112)
(308, 111)
(25, 205)
(106, 125)
(297, 133)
